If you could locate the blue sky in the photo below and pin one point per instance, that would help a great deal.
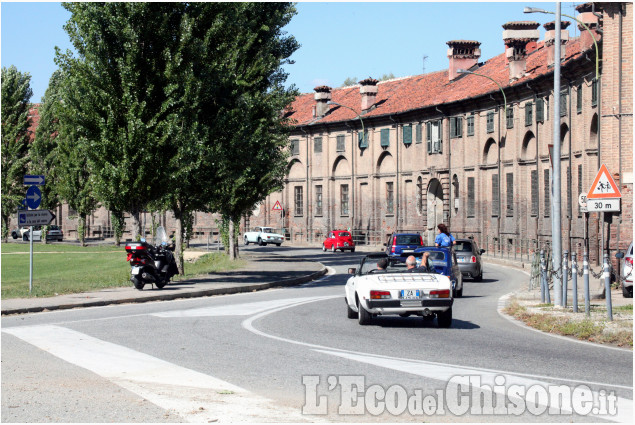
(338, 40)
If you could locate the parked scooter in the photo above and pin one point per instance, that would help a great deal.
(150, 263)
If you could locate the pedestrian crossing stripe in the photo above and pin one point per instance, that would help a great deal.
(604, 186)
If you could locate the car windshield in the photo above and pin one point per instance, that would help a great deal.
(343, 234)
(394, 266)
(463, 246)
(408, 240)
(437, 258)
(267, 230)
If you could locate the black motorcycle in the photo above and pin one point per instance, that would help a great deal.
(152, 264)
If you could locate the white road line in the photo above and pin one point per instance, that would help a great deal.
(194, 396)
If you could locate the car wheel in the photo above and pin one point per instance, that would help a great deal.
(333, 248)
(444, 319)
(246, 241)
(323, 248)
(353, 250)
(138, 282)
(278, 244)
(459, 293)
(14, 235)
(428, 318)
(350, 313)
(260, 242)
(25, 237)
(479, 278)
(363, 316)
(627, 291)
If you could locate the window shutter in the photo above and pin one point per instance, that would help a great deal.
(495, 203)
(363, 139)
(407, 134)
(540, 110)
(563, 104)
(579, 187)
(529, 113)
(452, 127)
(341, 143)
(459, 127)
(547, 194)
(385, 137)
(594, 92)
(510, 117)
(534, 193)
(295, 147)
(470, 126)
(418, 133)
(470, 197)
(317, 145)
(579, 102)
(510, 194)
(490, 122)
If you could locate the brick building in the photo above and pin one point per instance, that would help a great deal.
(440, 147)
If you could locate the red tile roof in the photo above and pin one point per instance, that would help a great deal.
(427, 90)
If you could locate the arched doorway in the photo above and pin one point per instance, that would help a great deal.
(435, 208)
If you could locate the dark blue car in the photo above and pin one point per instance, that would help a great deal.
(403, 244)
(443, 261)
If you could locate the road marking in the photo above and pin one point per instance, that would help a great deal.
(442, 371)
(194, 396)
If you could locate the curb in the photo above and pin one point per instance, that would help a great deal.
(169, 297)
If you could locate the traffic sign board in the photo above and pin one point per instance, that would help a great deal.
(582, 201)
(277, 206)
(35, 217)
(604, 186)
(33, 197)
(604, 205)
(31, 180)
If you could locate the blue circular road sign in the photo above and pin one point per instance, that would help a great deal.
(33, 197)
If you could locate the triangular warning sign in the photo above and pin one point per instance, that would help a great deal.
(277, 207)
(604, 186)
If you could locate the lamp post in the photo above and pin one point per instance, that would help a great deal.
(330, 102)
(465, 71)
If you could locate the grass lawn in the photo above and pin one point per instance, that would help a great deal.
(64, 269)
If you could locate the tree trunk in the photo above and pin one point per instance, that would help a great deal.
(233, 241)
(136, 225)
(178, 251)
(81, 229)
(5, 228)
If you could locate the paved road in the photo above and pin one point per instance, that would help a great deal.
(265, 356)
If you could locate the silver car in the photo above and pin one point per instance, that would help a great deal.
(468, 256)
(627, 273)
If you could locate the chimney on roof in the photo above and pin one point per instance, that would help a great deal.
(517, 35)
(322, 95)
(368, 90)
(550, 39)
(586, 15)
(463, 54)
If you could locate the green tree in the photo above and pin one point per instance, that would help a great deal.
(349, 82)
(388, 76)
(16, 94)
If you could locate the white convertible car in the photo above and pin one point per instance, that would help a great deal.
(262, 236)
(371, 292)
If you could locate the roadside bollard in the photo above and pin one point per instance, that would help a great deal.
(607, 287)
(544, 278)
(587, 295)
(565, 277)
(574, 281)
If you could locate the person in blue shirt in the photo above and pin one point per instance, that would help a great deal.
(444, 239)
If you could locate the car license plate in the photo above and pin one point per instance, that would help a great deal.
(461, 259)
(136, 270)
(345, 243)
(410, 294)
(407, 251)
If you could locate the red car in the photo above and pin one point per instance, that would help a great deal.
(339, 239)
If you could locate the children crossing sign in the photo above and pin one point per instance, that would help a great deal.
(604, 194)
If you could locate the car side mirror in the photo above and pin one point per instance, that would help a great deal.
(482, 251)
(352, 270)
(619, 255)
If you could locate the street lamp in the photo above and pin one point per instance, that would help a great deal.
(330, 102)
(465, 71)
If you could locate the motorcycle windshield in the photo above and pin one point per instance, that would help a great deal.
(162, 236)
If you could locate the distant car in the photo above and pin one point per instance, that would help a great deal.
(403, 244)
(627, 273)
(468, 256)
(372, 292)
(54, 233)
(262, 236)
(444, 261)
(339, 239)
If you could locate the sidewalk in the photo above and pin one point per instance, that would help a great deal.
(261, 272)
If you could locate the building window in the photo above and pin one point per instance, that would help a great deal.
(390, 205)
(540, 110)
(563, 104)
(318, 200)
(317, 145)
(456, 127)
(470, 197)
(470, 125)
(407, 134)
(344, 199)
(495, 203)
(363, 139)
(295, 147)
(579, 102)
(341, 143)
(547, 212)
(418, 133)
(490, 122)
(510, 194)
(594, 92)
(534, 193)
(434, 136)
(299, 203)
(529, 113)
(385, 137)
(419, 196)
(510, 117)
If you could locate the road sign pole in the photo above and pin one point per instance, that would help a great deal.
(607, 288)
(30, 259)
(574, 280)
(587, 295)
(565, 276)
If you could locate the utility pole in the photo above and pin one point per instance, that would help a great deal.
(556, 241)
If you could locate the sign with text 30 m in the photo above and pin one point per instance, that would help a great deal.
(603, 205)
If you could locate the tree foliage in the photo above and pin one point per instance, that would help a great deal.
(16, 94)
(350, 81)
